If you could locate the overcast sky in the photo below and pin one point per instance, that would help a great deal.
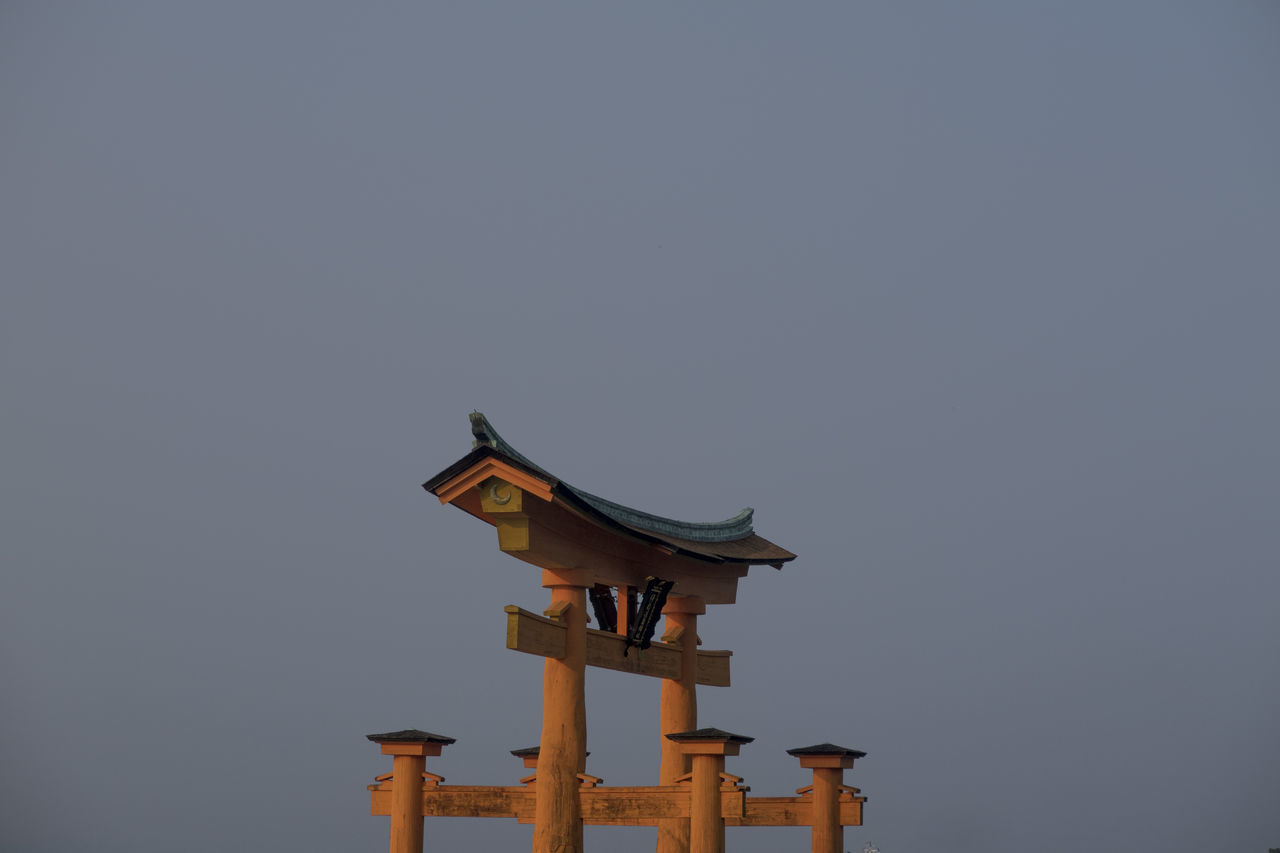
(976, 304)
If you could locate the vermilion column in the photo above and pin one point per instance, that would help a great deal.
(408, 749)
(562, 751)
(828, 763)
(707, 749)
(678, 712)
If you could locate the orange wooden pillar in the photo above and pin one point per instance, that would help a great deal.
(707, 748)
(408, 749)
(828, 763)
(562, 751)
(678, 711)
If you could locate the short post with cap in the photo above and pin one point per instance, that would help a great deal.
(409, 749)
(828, 763)
(707, 748)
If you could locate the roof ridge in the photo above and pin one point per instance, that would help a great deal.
(738, 527)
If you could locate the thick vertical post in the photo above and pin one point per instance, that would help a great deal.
(706, 825)
(408, 749)
(678, 711)
(706, 749)
(828, 763)
(828, 834)
(406, 803)
(562, 751)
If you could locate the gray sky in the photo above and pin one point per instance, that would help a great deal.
(976, 304)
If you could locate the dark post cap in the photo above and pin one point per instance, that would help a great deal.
(528, 752)
(410, 736)
(714, 735)
(827, 749)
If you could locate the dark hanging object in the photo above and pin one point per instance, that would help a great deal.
(631, 606)
(640, 631)
(602, 604)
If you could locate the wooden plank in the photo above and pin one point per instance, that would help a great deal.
(605, 649)
(602, 807)
(535, 635)
(774, 811)
(791, 811)
(465, 801)
(713, 667)
(660, 660)
(617, 806)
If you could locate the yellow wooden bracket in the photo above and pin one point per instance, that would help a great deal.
(556, 612)
(546, 636)
(483, 470)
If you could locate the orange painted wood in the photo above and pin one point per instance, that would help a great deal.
(483, 470)
(828, 835)
(560, 538)
(706, 826)
(406, 804)
(615, 806)
(537, 635)
(678, 712)
(563, 746)
(466, 801)
(623, 626)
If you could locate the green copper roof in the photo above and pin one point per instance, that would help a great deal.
(728, 530)
(730, 541)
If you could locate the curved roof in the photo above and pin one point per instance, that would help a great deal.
(731, 540)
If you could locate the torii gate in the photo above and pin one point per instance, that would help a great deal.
(587, 547)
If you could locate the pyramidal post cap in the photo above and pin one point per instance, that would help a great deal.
(529, 751)
(826, 749)
(411, 736)
(715, 742)
(708, 735)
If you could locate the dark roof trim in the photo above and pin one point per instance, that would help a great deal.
(410, 736)
(710, 734)
(697, 531)
(826, 749)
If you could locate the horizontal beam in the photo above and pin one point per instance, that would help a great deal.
(533, 634)
(792, 811)
(615, 806)
(537, 635)
(560, 538)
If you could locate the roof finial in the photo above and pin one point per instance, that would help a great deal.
(483, 433)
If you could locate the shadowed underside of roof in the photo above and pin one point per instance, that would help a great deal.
(731, 540)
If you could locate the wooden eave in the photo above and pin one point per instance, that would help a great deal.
(556, 527)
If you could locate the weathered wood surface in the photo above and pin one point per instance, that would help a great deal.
(538, 635)
(556, 537)
(466, 801)
(616, 806)
(792, 811)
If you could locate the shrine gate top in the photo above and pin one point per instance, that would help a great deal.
(545, 521)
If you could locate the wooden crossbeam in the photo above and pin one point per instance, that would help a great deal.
(616, 806)
(538, 635)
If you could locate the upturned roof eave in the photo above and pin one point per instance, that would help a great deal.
(699, 540)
